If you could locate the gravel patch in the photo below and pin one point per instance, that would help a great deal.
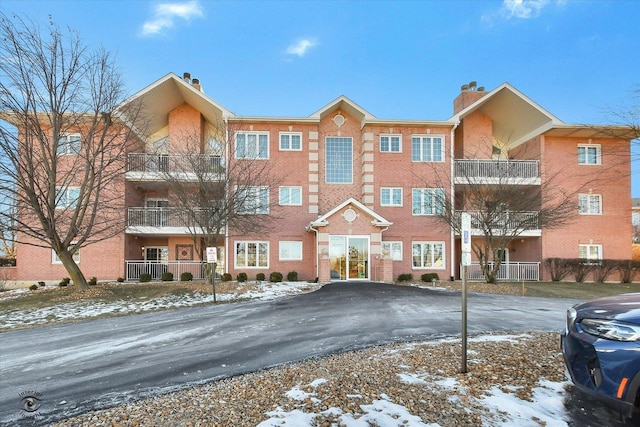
(403, 384)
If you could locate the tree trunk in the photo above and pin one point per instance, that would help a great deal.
(75, 274)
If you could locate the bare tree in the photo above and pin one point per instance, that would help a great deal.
(8, 226)
(215, 193)
(505, 198)
(62, 139)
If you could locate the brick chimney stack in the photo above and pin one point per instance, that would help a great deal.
(469, 94)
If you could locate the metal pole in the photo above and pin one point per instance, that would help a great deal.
(463, 367)
(213, 281)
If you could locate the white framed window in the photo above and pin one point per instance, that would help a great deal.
(339, 160)
(391, 196)
(67, 197)
(589, 204)
(390, 143)
(428, 255)
(253, 200)
(56, 260)
(394, 249)
(427, 148)
(68, 144)
(290, 251)
(590, 252)
(252, 145)
(635, 218)
(290, 141)
(251, 254)
(427, 201)
(589, 154)
(290, 196)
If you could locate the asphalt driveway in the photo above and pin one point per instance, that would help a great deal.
(79, 367)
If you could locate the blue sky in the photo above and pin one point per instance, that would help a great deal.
(396, 59)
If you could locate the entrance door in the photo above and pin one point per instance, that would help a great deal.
(349, 257)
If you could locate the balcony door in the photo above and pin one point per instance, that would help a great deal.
(157, 212)
(349, 257)
(159, 254)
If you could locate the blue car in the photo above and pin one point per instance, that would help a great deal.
(601, 348)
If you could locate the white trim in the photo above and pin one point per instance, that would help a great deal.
(290, 187)
(432, 243)
(280, 134)
(390, 135)
(257, 243)
(393, 205)
(432, 136)
(598, 148)
(298, 242)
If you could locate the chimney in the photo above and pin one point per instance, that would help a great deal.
(196, 84)
(469, 93)
(187, 77)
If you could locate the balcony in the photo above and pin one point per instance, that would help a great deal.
(508, 172)
(161, 221)
(505, 223)
(144, 168)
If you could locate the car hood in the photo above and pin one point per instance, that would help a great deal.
(625, 307)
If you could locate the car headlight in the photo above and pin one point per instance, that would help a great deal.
(611, 329)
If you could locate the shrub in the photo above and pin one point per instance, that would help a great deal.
(292, 276)
(260, 277)
(167, 276)
(405, 277)
(226, 277)
(145, 277)
(120, 279)
(93, 281)
(64, 282)
(603, 269)
(580, 268)
(33, 287)
(41, 284)
(275, 277)
(430, 277)
(558, 268)
(186, 276)
(241, 277)
(627, 268)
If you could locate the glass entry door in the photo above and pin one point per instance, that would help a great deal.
(349, 257)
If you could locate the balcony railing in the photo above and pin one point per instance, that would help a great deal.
(511, 271)
(175, 163)
(508, 220)
(156, 268)
(162, 217)
(512, 170)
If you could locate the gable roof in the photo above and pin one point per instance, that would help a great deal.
(515, 116)
(345, 104)
(171, 91)
(377, 220)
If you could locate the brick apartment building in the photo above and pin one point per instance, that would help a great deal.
(354, 200)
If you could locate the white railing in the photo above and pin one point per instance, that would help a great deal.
(474, 168)
(161, 217)
(507, 220)
(175, 163)
(156, 268)
(512, 271)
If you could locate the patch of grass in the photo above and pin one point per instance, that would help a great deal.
(580, 291)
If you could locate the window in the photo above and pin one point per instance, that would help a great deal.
(390, 196)
(635, 218)
(394, 248)
(428, 255)
(589, 155)
(252, 145)
(290, 251)
(339, 160)
(290, 141)
(253, 200)
(291, 196)
(67, 197)
(427, 148)
(590, 252)
(56, 260)
(252, 254)
(589, 204)
(390, 144)
(68, 144)
(427, 201)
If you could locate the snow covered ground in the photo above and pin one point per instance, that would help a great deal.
(547, 407)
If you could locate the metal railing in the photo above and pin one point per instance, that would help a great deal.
(474, 168)
(507, 220)
(156, 268)
(163, 217)
(511, 271)
(175, 163)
